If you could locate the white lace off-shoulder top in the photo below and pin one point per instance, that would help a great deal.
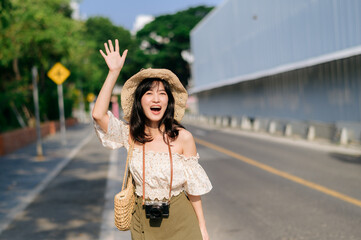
(188, 175)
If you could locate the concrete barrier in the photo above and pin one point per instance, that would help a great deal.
(288, 130)
(353, 131)
(203, 119)
(272, 127)
(256, 125)
(263, 124)
(218, 121)
(235, 122)
(246, 123)
(324, 130)
(344, 136)
(311, 133)
(342, 133)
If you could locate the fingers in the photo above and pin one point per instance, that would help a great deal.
(125, 54)
(106, 48)
(111, 46)
(110, 49)
(116, 45)
(103, 54)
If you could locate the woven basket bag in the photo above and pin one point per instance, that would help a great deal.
(124, 200)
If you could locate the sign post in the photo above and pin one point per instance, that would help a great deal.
(58, 73)
(39, 146)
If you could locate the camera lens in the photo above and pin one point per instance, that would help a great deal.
(155, 212)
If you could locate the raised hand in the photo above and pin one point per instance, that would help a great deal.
(112, 57)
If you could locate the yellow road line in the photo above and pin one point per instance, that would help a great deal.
(281, 173)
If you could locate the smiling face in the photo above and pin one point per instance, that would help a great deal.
(154, 102)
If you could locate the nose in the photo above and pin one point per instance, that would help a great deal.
(156, 97)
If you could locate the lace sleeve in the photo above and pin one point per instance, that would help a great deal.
(197, 181)
(116, 135)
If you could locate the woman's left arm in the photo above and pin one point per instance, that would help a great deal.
(197, 206)
(189, 149)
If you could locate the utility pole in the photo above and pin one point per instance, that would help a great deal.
(39, 146)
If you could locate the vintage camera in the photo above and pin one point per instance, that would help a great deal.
(156, 209)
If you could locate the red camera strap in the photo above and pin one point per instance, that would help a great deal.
(171, 171)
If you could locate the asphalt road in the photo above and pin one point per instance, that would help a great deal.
(262, 190)
(249, 202)
(71, 205)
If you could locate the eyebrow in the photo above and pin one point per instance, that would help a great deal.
(157, 89)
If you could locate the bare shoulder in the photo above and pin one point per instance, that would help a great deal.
(185, 135)
(187, 141)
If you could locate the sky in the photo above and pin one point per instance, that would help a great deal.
(125, 12)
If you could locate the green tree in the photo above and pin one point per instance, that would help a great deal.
(36, 32)
(42, 32)
(88, 67)
(163, 40)
(100, 30)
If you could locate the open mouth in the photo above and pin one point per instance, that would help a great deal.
(155, 109)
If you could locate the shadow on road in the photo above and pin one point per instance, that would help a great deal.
(71, 205)
(347, 158)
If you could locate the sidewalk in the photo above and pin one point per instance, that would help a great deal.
(23, 177)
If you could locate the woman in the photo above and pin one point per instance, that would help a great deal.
(164, 162)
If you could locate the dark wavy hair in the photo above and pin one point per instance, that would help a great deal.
(138, 118)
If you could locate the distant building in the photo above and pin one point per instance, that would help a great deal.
(284, 59)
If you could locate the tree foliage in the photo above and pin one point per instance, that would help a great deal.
(163, 40)
(36, 33)
(42, 32)
(88, 67)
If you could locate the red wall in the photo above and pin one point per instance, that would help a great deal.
(13, 140)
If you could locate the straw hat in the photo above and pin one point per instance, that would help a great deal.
(179, 93)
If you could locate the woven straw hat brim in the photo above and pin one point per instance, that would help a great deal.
(179, 92)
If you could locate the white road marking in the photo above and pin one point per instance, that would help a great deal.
(108, 231)
(29, 198)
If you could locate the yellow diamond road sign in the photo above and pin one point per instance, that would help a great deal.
(58, 73)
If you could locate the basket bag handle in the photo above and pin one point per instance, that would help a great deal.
(129, 157)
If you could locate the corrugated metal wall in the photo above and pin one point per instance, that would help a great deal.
(248, 36)
(245, 37)
(327, 92)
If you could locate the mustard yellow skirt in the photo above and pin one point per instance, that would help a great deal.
(181, 224)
